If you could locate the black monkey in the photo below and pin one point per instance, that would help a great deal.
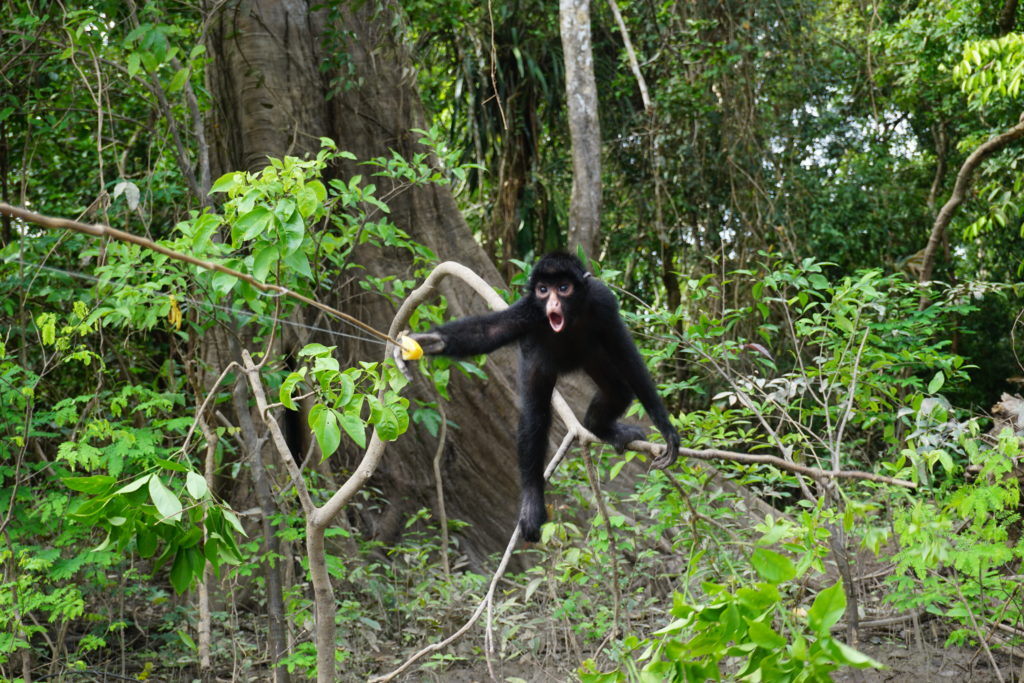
(566, 321)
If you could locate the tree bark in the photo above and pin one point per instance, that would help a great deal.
(584, 125)
(1007, 17)
(270, 96)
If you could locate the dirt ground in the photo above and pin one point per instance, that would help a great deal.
(928, 659)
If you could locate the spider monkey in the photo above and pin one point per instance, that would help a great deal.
(567, 320)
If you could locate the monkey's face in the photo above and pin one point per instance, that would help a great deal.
(556, 298)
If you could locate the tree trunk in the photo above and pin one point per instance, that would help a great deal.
(270, 98)
(584, 126)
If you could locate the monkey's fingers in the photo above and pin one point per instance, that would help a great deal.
(430, 342)
(411, 350)
(668, 456)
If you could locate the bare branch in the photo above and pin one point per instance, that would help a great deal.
(963, 181)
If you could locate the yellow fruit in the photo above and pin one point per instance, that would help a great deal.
(411, 350)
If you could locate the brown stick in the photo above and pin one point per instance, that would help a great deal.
(777, 462)
(101, 230)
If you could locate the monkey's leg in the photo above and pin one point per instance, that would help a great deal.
(534, 424)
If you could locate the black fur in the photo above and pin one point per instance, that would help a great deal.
(594, 340)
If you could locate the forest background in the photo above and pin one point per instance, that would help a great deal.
(811, 213)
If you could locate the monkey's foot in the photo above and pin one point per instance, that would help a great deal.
(623, 433)
(532, 515)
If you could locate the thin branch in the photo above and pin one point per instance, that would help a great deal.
(634, 64)
(101, 230)
(439, 487)
(779, 463)
(602, 506)
(963, 181)
(285, 455)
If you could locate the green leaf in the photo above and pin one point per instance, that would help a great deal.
(764, 636)
(203, 229)
(251, 224)
(233, 521)
(227, 182)
(355, 429)
(171, 465)
(324, 423)
(937, 381)
(135, 485)
(854, 657)
(181, 571)
(827, 610)
(179, 80)
(167, 504)
(196, 485)
(223, 283)
(818, 281)
(94, 485)
(145, 541)
(347, 389)
(298, 262)
(264, 258)
(387, 424)
(772, 566)
(288, 386)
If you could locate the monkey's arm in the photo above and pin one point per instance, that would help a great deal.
(479, 333)
(635, 372)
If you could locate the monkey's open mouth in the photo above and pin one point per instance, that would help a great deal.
(557, 321)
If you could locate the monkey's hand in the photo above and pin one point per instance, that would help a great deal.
(428, 342)
(671, 451)
(432, 343)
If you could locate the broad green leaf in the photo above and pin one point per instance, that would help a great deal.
(288, 386)
(167, 504)
(227, 182)
(204, 228)
(223, 283)
(181, 571)
(135, 485)
(171, 465)
(145, 541)
(178, 82)
(251, 224)
(347, 390)
(233, 521)
(937, 381)
(264, 258)
(324, 423)
(764, 636)
(772, 566)
(854, 657)
(355, 429)
(387, 424)
(94, 485)
(827, 610)
(298, 262)
(196, 485)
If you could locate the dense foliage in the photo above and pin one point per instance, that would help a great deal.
(765, 221)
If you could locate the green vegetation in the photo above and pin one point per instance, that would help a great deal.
(194, 468)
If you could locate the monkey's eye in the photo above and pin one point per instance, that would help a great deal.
(565, 289)
(542, 290)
